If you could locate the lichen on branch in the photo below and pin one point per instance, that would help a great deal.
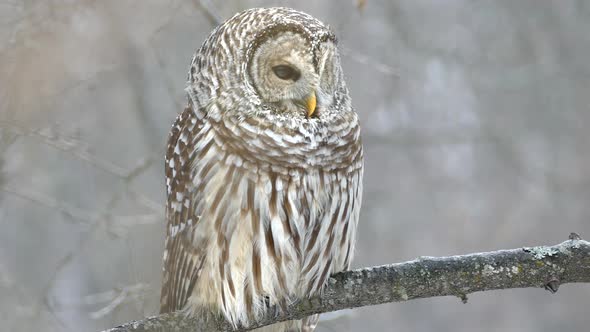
(543, 267)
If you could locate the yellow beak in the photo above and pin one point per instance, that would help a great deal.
(310, 104)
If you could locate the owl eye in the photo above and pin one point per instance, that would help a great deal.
(285, 72)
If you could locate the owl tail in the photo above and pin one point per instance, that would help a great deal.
(308, 324)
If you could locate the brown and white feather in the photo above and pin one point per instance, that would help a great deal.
(262, 206)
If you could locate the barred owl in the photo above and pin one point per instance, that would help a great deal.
(263, 171)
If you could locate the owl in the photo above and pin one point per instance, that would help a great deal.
(264, 171)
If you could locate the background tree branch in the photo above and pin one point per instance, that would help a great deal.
(543, 266)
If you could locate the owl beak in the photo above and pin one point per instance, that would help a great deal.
(310, 104)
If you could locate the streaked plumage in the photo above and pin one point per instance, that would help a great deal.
(263, 200)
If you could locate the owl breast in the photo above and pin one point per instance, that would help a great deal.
(272, 228)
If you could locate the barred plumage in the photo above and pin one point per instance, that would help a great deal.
(264, 190)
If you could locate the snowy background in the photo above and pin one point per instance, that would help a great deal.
(475, 121)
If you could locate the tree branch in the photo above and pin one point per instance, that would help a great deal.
(543, 266)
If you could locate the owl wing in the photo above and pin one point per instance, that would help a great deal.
(183, 259)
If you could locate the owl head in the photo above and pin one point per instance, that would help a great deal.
(276, 64)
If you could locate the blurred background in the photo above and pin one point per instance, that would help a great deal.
(475, 121)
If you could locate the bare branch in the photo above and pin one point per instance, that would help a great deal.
(542, 267)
